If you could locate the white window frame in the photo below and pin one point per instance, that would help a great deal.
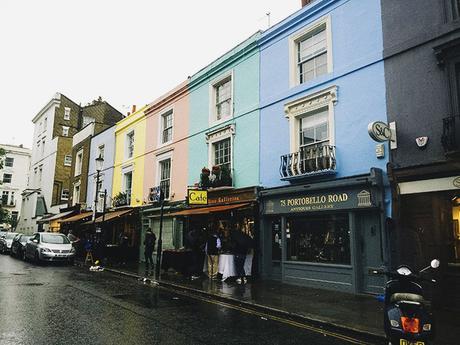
(62, 194)
(78, 162)
(75, 196)
(164, 112)
(127, 140)
(66, 113)
(65, 131)
(101, 151)
(160, 158)
(219, 135)
(212, 97)
(295, 38)
(6, 164)
(300, 108)
(68, 160)
(125, 170)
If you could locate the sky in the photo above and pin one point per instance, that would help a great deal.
(127, 52)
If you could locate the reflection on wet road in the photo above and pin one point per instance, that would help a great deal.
(69, 305)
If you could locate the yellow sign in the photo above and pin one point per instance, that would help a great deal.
(197, 197)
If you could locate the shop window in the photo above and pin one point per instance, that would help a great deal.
(323, 239)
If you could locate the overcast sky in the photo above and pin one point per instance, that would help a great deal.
(127, 52)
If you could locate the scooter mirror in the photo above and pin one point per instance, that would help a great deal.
(435, 263)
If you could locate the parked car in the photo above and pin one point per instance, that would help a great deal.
(6, 241)
(48, 246)
(18, 245)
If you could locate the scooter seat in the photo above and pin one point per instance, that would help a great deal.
(407, 297)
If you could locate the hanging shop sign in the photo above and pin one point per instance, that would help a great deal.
(197, 197)
(327, 201)
(380, 132)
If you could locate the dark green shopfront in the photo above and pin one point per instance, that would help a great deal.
(328, 235)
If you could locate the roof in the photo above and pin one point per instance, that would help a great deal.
(110, 216)
(76, 217)
(54, 217)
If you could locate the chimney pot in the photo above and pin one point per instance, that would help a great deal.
(306, 2)
(133, 109)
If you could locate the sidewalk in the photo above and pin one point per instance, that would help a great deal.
(333, 310)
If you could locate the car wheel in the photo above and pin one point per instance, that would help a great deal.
(37, 258)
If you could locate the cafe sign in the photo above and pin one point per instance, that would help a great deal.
(197, 197)
(320, 202)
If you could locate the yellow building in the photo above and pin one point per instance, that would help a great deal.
(128, 173)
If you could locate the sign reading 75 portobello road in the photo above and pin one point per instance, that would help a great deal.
(327, 201)
(197, 197)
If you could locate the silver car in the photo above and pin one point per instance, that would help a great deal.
(6, 241)
(48, 246)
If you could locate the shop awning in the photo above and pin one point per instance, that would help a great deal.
(54, 217)
(76, 217)
(110, 216)
(210, 209)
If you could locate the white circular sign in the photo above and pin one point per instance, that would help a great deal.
(379, 131)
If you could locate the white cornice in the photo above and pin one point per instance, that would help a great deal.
(56, 100)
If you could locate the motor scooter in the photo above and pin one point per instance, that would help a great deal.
(408, 318)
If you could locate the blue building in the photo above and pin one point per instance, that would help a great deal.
(325, 198)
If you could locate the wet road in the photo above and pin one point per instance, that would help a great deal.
(70, 305)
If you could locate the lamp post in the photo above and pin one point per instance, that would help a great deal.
(99, 163)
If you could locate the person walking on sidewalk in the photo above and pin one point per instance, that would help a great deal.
(242, 245)
(149, 247)
(213, 244)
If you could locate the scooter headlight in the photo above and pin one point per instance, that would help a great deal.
(404, 271)
(427, 327)
(394, 323)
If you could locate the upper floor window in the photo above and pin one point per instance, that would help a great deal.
(65, 131)
(86, 121)
(66, 113)
(7, 178)
(9, 162)
(222, 153)
(314, 128)
(79, 163)
(5, 197)
(130, 144)
(43, 146)
(68, 160)
(165, 177)
(166, 127)
(65, 194)
(45, 124)
(40, 173)
(311, 52)
(76, 194)
(222, 98)
(127, 185)
(101, 151)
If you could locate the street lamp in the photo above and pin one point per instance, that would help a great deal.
(99, 163)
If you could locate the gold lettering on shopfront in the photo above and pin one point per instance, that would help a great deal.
(317, 202)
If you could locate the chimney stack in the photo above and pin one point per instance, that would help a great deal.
(306, 2)
(134, 109)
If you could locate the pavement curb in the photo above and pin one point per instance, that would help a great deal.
(319, 323)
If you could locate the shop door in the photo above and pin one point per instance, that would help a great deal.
(369, 253)
(276, 245)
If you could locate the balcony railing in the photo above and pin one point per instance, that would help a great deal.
(310, 160)
(451, 134)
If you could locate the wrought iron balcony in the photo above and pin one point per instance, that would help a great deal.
(451, 134)
(310, 160)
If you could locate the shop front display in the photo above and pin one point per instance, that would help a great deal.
(328, 234)
(230, 215)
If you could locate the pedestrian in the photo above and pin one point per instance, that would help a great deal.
(213, 245)
(123, 243)
(242, 244)
(196, 264)
(149, 247)
(74, 240)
